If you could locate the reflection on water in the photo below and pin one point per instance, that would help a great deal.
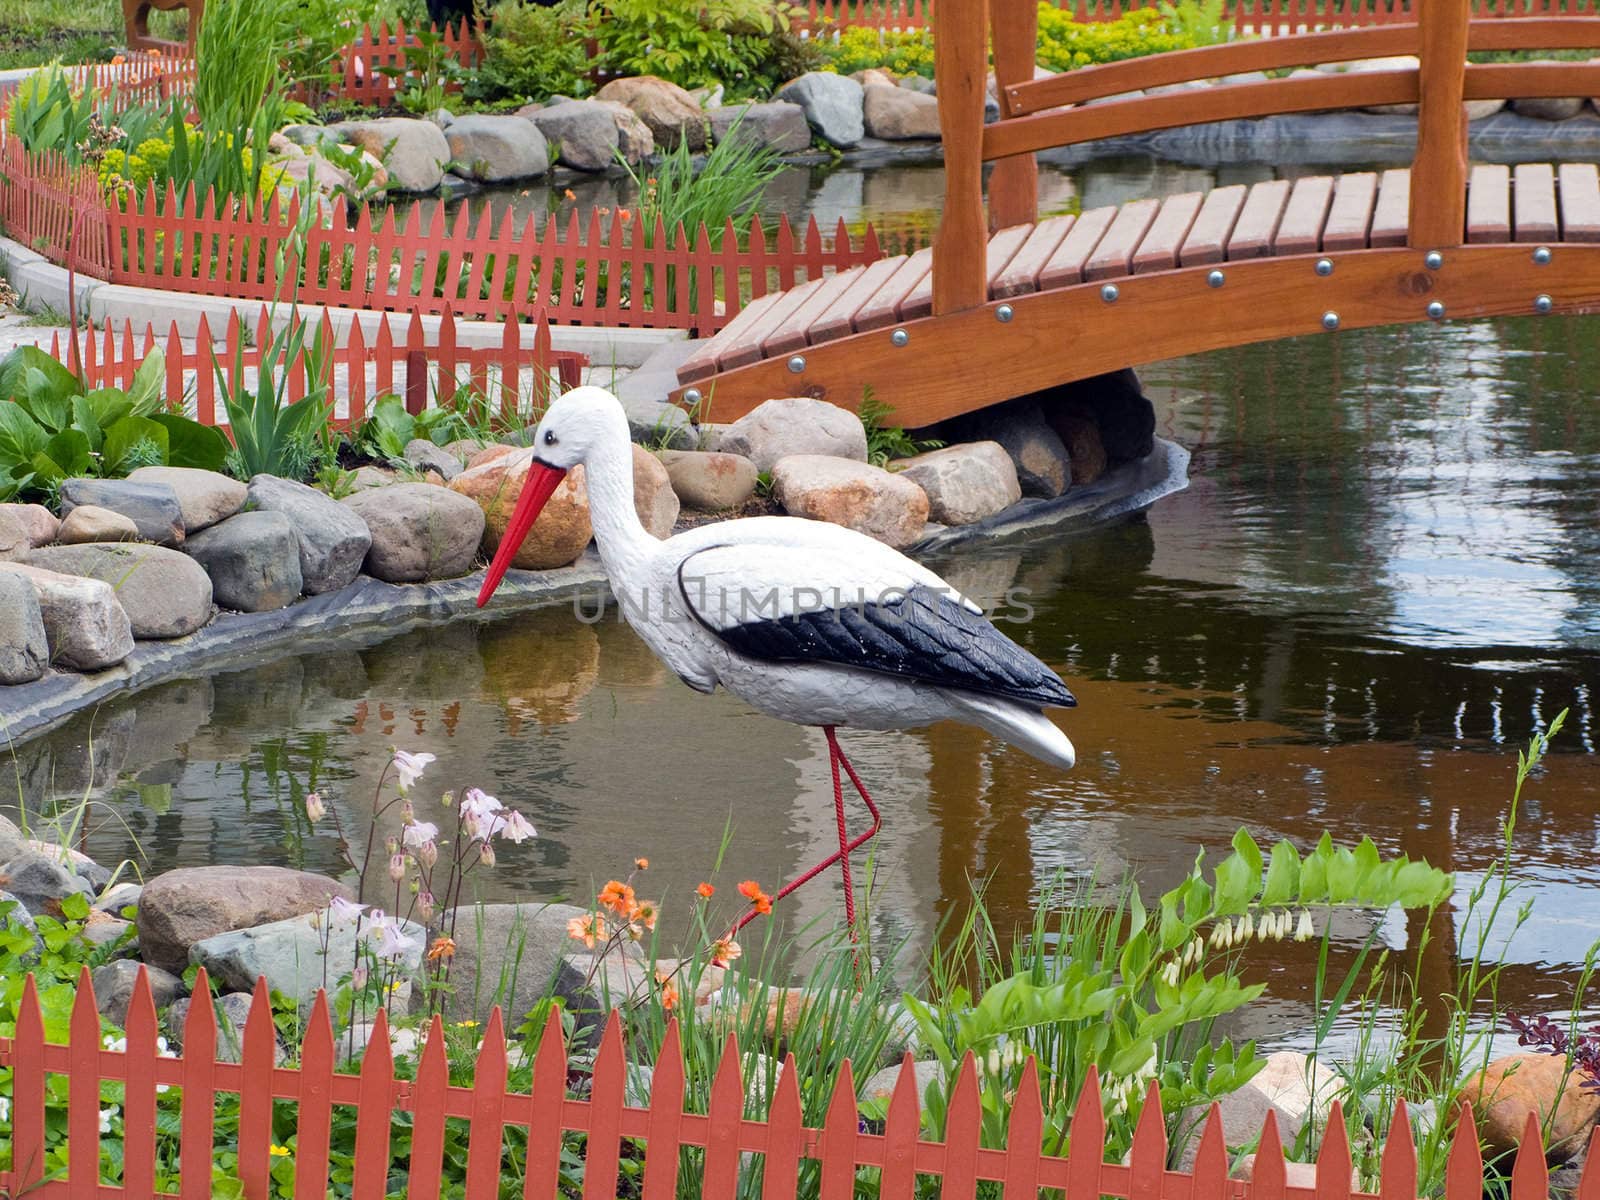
(1382, 579)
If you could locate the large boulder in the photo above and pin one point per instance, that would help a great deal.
(853, 494)
(85, 626)
(333, 540)
(1037, 453)
(1115, 402)
(492, 148)
(292, 955)
(708, 480)
(635, 142)
(114, 983)
(153, 507)
(964, 483)
(41, 883)
(190, 904)
(779, 126)
(419, 532)
(13, 842)
(899, 114)
(425, 456)
(1291, 1085)
(653, 497)
(582, 134)
(231, 1011)
(204, 497)
(253, 560)
(37, 521)
(91, 523)
(24, 648)
(165, 593)
(1548, 108)
(1086, 450)
(413, 152)
(832, 104)
(795, 425)
(670, 112)
(14, 539)
(1505, 1092)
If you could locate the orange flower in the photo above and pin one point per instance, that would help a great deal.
(618, 897)
(624, 214)
(117, 60)
(153, 53)
(749, 889)
(641, 864)
(646, 912)
(669, 991)
(442, 947)
(763, 903)
(705, 891)
(724, 951)
(585, 929)
(569, 194)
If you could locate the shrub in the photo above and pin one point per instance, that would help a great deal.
(901, 52)
(532, 51)
(687, 42)
(1065, 43)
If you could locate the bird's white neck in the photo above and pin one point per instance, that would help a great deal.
(623, 541)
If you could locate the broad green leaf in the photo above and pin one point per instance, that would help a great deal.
(121, 439)
(191, 444)
(145, 392)
(1245, 846)
(63, 456)
(43, 404)
(1283, 876)
(21, 437)
(110, 405)
(1236, 884)
(86, 423)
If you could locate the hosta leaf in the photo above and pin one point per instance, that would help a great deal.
(191, 444)
(121, 439)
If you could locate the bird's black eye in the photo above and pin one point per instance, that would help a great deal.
(549, 437)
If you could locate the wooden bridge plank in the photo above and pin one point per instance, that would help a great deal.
(1158, 251)
(1580, 202)
(884, 307)
(1021, 275)
(703, 362)
(1258, 221)
(1489, 204)
(1114, 255)
(1350, 216)
(839, 321)
(746, 348)
(792, 334)
(1300, 231)
(1391, 218)
(1067, 263)
(1208, 236)
(1003, 247)
(1533, 191)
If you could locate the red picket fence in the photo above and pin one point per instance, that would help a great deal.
(521, 375)
(53, 208)
(359, 73)
(840, 1149)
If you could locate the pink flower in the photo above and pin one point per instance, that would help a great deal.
(515, 827)
(397, 867)
(409, 767)
(477, 812)
(343, 910)
(315, 808)
(393, 942)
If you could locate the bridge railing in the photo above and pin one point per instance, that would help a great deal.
(1057, 111)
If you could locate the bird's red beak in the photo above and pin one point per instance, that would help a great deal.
(536, 491)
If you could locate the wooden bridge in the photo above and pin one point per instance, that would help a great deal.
(1004, 304)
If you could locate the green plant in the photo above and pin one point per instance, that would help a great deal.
(431, 68)
(1065, 43)
(679, 192)
(899, 51)
(886, 442)
(531, 51)
(689, 42)
(53, 428)
(238, 94)
(386, 433)
(311, 35)
(271, 435)
(46, 113)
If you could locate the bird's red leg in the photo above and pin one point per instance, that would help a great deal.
(847, 844)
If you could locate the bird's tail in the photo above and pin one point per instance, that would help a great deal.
(1024, 727)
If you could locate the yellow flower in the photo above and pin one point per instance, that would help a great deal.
(280, 1151)
(466, 1024)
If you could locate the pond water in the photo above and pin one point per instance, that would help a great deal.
(1384, 576)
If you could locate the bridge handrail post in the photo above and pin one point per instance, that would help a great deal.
(1014, 183)
(960, 66)
(1438, 215)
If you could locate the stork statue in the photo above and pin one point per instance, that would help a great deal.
(802, 620)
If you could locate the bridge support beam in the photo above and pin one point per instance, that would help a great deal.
(1439, 173)
(960, 64)
(1014, 184)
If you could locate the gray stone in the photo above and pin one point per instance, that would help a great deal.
(669, 112)
(794, 425)
(419, 532)
(462, 449)
(635, 142)
(413, 152)
(116, 900)
(1549, 108)
(24, 649)
(510, 954)
(165, 593)
(114, 984)
(853, 494)
(964, 483)
(253, 560)
(13, 842)
(779, 126)
(1036, 451)
(425, 456)
(91, 523)
(37, 521)
(896, 114)
(153, 506)
(303, 135)
(14, 539)
(708, 480)
(232, 1012)
(204, 497)
(492, 148)
(880, 1086)
(85, 627)
(1290, 1085)
(107, 933)
(190, 904)
(289, 953)
(333, 539)
(582, 134)
(1114, 402)
(368, 477)
(832, 104)
(657, 423)
(41, 883)
(75, 861)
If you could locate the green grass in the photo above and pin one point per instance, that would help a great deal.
(73, 31)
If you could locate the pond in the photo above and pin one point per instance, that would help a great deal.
(1384, 576)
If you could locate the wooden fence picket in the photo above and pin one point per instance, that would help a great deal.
(665, 1123)
(198, 1122)
(314, 1128)
(429, 1097)
(720, 1177)
(963, 1127)
(1397, 1174)
(258, 1058)
(841, 1126)
(140, 1057)
(1269, 1176)
(548, 1096)
(487, 1133)
(1334, 1162)
(83, 1093)
(1147, 1161)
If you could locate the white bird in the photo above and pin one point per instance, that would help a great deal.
(804, 621)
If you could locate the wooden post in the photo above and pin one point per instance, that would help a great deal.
(1439, 171)
(1014, 184)
(960, 65)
